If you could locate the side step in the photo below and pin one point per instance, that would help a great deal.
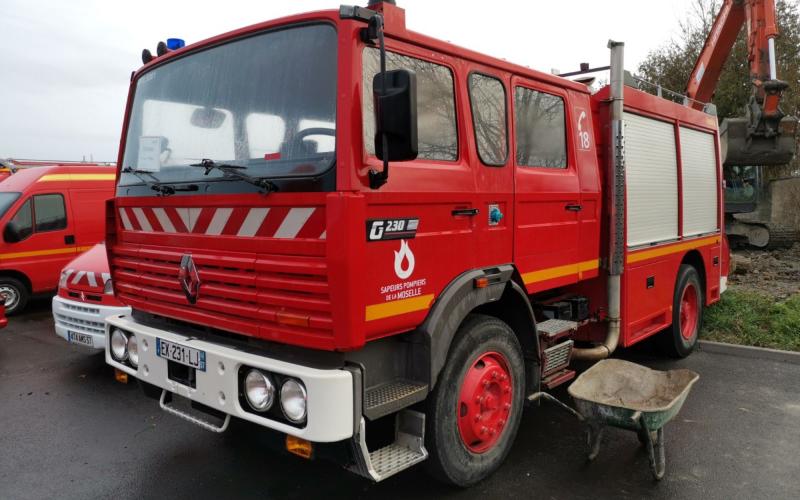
(392, 397)
(407, 450)
(554, 329)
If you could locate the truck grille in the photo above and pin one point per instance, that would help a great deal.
(275, 297)
(81, 325)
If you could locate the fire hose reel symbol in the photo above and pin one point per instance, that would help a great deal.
(405, 254)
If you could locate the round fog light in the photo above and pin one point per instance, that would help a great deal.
(259, 390)
(119, 345)
(133, 350)
(293, 400)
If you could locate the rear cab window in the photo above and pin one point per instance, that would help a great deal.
(541, 130)
(437, 132)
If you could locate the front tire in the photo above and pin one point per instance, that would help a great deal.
(16, 294)
(475, 410)
(680, 339)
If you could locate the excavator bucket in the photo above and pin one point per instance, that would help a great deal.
(739, 148)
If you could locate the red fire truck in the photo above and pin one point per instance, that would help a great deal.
(330, 225)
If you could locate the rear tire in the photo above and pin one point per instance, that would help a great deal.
(475, 410)
(680, 339)
(16, 293)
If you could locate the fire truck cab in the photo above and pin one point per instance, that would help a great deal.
(328, 222)
(40, 210)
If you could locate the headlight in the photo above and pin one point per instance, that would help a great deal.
(119, 345)
(108, 288)
(62, 281)
(133, 350)
(293, 400)
(259, 390)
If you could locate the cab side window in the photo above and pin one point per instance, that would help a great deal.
(22, 223)
(39, 214)
(51, 214)
(540, 129)
(436, 109)
(488, 100)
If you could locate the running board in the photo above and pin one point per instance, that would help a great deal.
(392, 397)
(407, 450)
(554, 329)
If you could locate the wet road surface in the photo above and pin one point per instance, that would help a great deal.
(68, 430)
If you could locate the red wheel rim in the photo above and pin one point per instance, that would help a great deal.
(484, 403)
(689, 311)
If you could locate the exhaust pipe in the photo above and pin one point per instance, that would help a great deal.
(616, 186)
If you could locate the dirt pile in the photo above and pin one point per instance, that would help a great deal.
(775, 273)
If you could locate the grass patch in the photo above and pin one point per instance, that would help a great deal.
(753, 318)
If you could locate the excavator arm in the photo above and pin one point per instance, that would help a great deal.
(764, 136)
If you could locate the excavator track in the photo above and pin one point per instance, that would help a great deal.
(781, 237)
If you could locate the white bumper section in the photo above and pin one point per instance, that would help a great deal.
(330, 407)
(85, 318)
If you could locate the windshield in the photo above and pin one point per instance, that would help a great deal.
(6, 200)
(266, 103)
(741, 184)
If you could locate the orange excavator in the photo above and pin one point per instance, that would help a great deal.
(764, 137)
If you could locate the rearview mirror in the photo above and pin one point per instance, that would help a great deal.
(13, 234)
(207, 118)
(396, 114)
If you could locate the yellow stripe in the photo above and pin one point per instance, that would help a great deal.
(396, 307)
(670, 249)
(38, 253)
(560, 271)
(78, 177)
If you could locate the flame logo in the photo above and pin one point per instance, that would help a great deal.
(406, 254)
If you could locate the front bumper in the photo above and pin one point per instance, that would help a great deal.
(83, 317)
(330, 392)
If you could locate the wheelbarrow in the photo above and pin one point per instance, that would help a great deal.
(625, 395)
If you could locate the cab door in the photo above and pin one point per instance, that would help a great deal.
(39, 239)
(547, 198)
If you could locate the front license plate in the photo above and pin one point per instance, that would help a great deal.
(80, 338)
(194, 358)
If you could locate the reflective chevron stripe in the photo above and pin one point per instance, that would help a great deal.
(275, 222)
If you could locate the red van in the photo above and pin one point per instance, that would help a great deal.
(48, 215)
(3, 320)
(85, 298)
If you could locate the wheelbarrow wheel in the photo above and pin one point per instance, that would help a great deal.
(474, 411)
(680, 339)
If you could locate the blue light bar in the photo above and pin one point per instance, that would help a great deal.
(175, 43)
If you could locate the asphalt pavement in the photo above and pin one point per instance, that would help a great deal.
(69, 430)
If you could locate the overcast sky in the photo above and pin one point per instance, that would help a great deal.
(65, 66)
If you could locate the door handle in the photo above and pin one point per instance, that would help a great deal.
(573, 208)
(471, 212)
(69, 239)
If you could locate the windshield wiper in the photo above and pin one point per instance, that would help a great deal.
(162, 188)
(233, 172)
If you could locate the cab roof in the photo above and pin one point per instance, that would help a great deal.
(59, 175)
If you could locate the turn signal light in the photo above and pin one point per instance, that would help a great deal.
(292, 319)
(481, 282)
(299, 447)
(120, 376)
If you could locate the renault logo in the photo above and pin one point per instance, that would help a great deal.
(189, 278)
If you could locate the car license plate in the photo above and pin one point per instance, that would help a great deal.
(194, 358)
(80, 338)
